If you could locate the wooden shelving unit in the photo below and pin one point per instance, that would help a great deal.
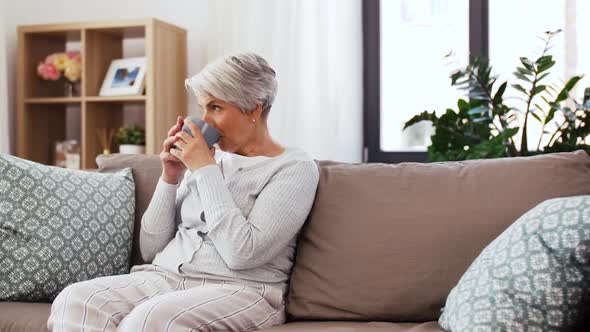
(53, 100)
(42, 106)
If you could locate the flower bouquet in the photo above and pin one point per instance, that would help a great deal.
(68, 63)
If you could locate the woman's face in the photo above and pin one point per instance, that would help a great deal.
(236, 127)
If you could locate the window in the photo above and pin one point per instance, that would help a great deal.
(405, 72)
(415, 37)
(509, 39)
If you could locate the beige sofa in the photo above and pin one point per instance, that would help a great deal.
(384, 244)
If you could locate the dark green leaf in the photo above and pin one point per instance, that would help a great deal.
(542, 76)
(551, 87)
(571, 83)
(539, 89)
(536, 117)
(539, 109)
(509, 132)
(544, 62)
(455, 76)
(520, 88)
(524, 71)
(478, 110)
(527, 63)
(522, 77)
(462, 105)
(424, 116)
(498, 96)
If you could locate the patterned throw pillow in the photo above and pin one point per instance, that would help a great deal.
(534, 277)
(60, 226)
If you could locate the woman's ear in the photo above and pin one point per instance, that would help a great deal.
(256, 115)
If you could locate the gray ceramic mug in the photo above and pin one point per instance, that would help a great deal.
(210, 134)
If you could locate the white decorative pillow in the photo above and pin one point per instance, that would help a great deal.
(59, 226)
(534, 277)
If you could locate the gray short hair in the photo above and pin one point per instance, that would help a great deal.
(243, 80)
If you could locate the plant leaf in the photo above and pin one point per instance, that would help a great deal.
(520, 88)
(544, 63)
(539, 89)
(424, 116)
(522, 77)
(478, 110)
(536, 117)
(527, 63)
(498, 96)
(538, 107)
(542, 76)
(524, 71)
(455, 76)
(462, 105)
(571, 83)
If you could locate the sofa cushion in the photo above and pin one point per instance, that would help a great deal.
(32, 317)
(24, 317)
(388, 242)
(60, 226)
(535, 276)
(146, 172)
(355, 327)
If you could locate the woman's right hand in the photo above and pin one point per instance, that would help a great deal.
(172, 167)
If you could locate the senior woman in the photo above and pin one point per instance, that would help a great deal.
(221, 228)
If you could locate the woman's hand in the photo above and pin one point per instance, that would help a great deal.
(172, 167)
(195, 152)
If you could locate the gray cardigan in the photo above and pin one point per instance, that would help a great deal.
(249, 222)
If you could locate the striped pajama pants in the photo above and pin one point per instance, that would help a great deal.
(153, 299)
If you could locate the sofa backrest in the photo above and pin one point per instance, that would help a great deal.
(388, 242)
(146, 172)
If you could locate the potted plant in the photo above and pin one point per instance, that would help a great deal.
(485, 124)
(131, 140)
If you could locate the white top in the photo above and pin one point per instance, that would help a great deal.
(229, 163)
(238, 225)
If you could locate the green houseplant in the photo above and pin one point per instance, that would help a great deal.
(485, 125)
(131, 140)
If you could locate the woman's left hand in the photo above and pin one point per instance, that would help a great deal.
(195, 152)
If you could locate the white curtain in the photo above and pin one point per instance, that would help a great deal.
(4, 132)
(316, 49)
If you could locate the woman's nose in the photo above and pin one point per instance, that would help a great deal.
(206, 117)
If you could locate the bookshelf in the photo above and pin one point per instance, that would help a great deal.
(44, 113)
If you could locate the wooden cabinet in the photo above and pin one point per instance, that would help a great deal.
(43, 109)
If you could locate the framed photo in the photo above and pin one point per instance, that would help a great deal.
(124, 77)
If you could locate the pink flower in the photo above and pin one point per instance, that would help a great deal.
(49, 59)
(47, 71)
(74, 55)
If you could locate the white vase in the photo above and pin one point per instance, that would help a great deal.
(131, 149)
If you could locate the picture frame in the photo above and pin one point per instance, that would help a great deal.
(124, 77)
